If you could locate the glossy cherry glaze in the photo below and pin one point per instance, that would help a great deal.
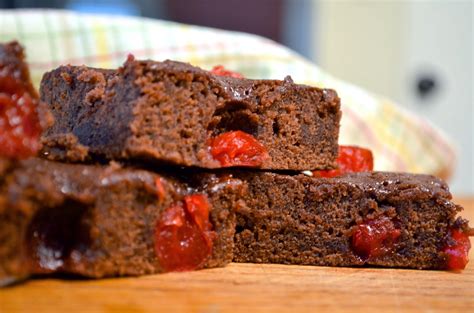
(375, 237)
(222, 71)
(351, 159)
(457, 251)
(237, 148)
(183, 235)
(20, 128)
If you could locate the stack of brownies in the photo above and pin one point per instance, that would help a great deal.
(162, 166)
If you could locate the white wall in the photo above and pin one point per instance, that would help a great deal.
(385, 46)
(361, 41)
(442, 46)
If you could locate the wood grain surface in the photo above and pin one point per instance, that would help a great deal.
(256, 288)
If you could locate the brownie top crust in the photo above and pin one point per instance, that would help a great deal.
(400, 185)
(376, 183)
(230, 87)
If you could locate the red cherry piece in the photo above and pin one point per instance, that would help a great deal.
(351, 159)
(130, 57)
(198, 207)
(375, 237)
(183, 235)
(457, 252)
(237, 148)
(222, 71)
(19, 123)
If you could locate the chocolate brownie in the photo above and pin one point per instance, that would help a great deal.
(378, 219)
(172, 112)
(110, 221)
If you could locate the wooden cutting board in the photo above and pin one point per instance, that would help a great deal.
(255, 288)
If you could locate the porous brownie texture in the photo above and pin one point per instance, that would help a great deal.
(100, 221)
(168, 112)
(312, 221)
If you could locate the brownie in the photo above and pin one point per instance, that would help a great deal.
(320, 221)
(171, 112)
(99, 221)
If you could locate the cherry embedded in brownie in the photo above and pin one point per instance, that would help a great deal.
(457, 249)
(184, 234)
(375, 237)
(222, 71)
(237, 148)
(350, 159)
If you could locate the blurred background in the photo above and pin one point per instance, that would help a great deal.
(418, 53)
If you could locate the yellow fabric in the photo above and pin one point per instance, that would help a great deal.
(400, 140)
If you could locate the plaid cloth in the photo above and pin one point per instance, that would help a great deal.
(400, 140)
